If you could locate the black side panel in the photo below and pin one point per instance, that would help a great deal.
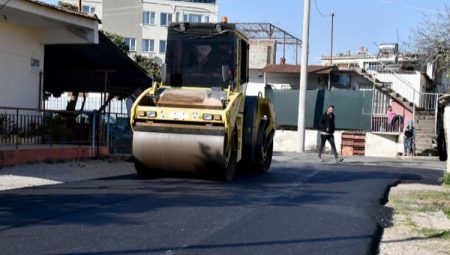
(249, 136)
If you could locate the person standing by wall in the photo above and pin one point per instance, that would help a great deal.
(327, 128)
(390, 117)
(409, 139)
(130, 100)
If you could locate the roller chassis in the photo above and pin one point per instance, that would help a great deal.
(199, 129)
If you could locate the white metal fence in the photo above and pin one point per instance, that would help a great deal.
(93, 102)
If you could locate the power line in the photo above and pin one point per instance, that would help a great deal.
(411, 7)
(318, 10)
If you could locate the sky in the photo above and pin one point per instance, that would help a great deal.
(357, 23)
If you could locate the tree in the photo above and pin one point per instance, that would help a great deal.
(67, 6)
(119, 41)
(431, 41)
(149, 65)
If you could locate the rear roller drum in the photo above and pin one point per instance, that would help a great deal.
(230, 165)
(264, 152)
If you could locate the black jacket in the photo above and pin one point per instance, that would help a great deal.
(327, 123)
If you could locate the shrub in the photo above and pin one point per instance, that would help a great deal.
(445, 179)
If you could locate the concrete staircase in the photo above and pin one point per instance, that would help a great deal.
(425, 123)
(385, 88)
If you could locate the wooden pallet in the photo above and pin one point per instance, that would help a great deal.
(353, 144)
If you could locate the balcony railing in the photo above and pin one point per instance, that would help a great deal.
(427, 102)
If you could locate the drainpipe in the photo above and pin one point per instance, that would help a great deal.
(79, 6)
(40, 91)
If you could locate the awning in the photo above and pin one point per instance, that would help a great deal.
(85, 68)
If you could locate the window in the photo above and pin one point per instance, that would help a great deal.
(166, 18)
(131, 42)
(148, 45)
(162, 46)
(88, 9)
(195, 18)
(244, 61)
(148, 18)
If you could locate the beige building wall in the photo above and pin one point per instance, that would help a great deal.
(22, 59)
(289, 141)
(22, 46)
(126, 18)
(377, 145)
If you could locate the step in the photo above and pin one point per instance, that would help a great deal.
(424, 140)
(424, 124)
(424, 137)
(425, 113)
(423, 134)
(427, 119)
(423, 127)
(431, 115)
(422, 147)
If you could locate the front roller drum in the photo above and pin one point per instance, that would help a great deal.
(158, 151)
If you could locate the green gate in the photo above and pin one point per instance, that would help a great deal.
(352, 108)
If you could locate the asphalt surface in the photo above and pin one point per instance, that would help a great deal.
(302, 206)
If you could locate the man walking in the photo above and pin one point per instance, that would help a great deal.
(326, 132)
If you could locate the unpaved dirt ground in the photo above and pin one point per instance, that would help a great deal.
(421, 221)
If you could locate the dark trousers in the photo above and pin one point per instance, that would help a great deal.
(330, 139)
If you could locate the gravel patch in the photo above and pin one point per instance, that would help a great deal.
(411, 222)
(46, 173)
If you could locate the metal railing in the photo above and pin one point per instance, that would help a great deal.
(25, 126)
(427, 102)
(393, 80)
(381, 124)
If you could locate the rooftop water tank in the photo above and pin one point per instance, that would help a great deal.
(388, 48)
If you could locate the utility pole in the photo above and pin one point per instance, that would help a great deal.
(332, 28)
(303, 77)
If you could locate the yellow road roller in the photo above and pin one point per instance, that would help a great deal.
(199, 118)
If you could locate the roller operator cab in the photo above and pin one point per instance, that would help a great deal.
(198, 118)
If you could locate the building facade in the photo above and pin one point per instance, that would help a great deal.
(143, 23)
(26, 28)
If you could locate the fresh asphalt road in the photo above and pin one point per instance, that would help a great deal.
(301, 206)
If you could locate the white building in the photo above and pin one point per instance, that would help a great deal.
(143, 23)
(26, 26)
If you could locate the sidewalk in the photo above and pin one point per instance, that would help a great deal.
(410, 162)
